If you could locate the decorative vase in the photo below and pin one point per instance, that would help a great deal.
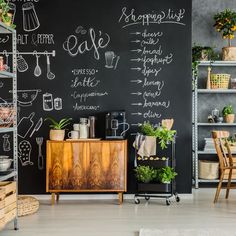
(229, 54)
(229, 118)
(57, 135)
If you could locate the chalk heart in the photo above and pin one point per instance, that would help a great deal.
(80, 30)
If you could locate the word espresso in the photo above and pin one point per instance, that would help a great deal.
(76, 44)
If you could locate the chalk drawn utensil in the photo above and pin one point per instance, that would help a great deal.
(50, 75)
(37, 126)
(26, 97)
(30, 18)
(25, 125)
(39, 141)
(6, 143)
(22, 65)
(24, 152)
(117, 60)
(37, 70)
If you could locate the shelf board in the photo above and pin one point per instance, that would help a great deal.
(5, 130)
(4, 29)
(214, 180)
(8, 176)
(216, 124)
(210, 152)
(6, 74)
(216, 90)
(217, 63)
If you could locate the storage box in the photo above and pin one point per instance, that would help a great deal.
(7, 202)
(208, 169)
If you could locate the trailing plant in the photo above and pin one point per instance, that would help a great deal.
(165, 174)
(59, 125)
(5, 16)
(225, 23)
(227, 110)
(145, 174)
(164, 135)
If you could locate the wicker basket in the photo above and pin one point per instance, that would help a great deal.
(219, 81)
(208, 169)
(27, 205)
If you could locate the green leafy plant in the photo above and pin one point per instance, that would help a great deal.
(164, 135)
(5, 16)
(227, 110)
(145, 174)
(165, 174)
(225, 23)
(59, 125)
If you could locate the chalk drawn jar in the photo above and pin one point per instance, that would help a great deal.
(47, 102)
(58, 103)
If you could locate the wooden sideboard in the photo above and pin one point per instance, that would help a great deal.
(86, 166)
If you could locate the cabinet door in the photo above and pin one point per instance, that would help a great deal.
(106, 165)
(66, 166)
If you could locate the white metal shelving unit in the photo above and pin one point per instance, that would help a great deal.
(197, 124)
(4, 29)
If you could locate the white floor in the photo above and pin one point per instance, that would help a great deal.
(106, 218)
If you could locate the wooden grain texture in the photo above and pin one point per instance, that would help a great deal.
(86, 166)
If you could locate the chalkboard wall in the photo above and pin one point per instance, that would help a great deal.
(130, 55)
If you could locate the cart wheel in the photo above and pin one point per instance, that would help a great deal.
(177, 198)
(147, 198)
(167, 202)
(136, 201)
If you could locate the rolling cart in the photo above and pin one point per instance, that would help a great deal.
(158, 190)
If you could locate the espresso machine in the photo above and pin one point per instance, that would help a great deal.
(116, 125)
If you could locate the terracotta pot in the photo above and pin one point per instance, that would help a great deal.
(57, 135)
(229, 54)
(229, 118)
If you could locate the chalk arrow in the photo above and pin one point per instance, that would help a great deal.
(136, 114)
(138, 81)
(137, 104)
(136, 50)
(136, 68)
(135, 59)
(135, 41)
(138, 124)
(135, 33)
(138, 93)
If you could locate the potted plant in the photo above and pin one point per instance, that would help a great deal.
(164, 135)
(57, 131)
(5, 15)
(225, 23)
(166, 174)
(228, 114)
(145, 174)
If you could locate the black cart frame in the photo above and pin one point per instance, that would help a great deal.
(158, 190)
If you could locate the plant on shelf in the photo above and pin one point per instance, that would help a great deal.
(164, 135)
(5, 15)
(202, 53)
(165, 175)
(228, 113)
(57, 131)
(145, 174)
(225, 23)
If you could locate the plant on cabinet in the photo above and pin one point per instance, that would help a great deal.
(57, 131)
(228, 114)
(225, 23)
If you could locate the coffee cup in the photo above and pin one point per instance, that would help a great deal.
(76, 127)
(74, 134)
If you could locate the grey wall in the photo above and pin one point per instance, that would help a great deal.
(203, 33)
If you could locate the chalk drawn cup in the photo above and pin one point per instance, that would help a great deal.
(76, 127)
(30, 18)
(109, 57)
(74, 134)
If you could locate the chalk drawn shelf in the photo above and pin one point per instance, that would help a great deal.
(13, 174)
(199, 126)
